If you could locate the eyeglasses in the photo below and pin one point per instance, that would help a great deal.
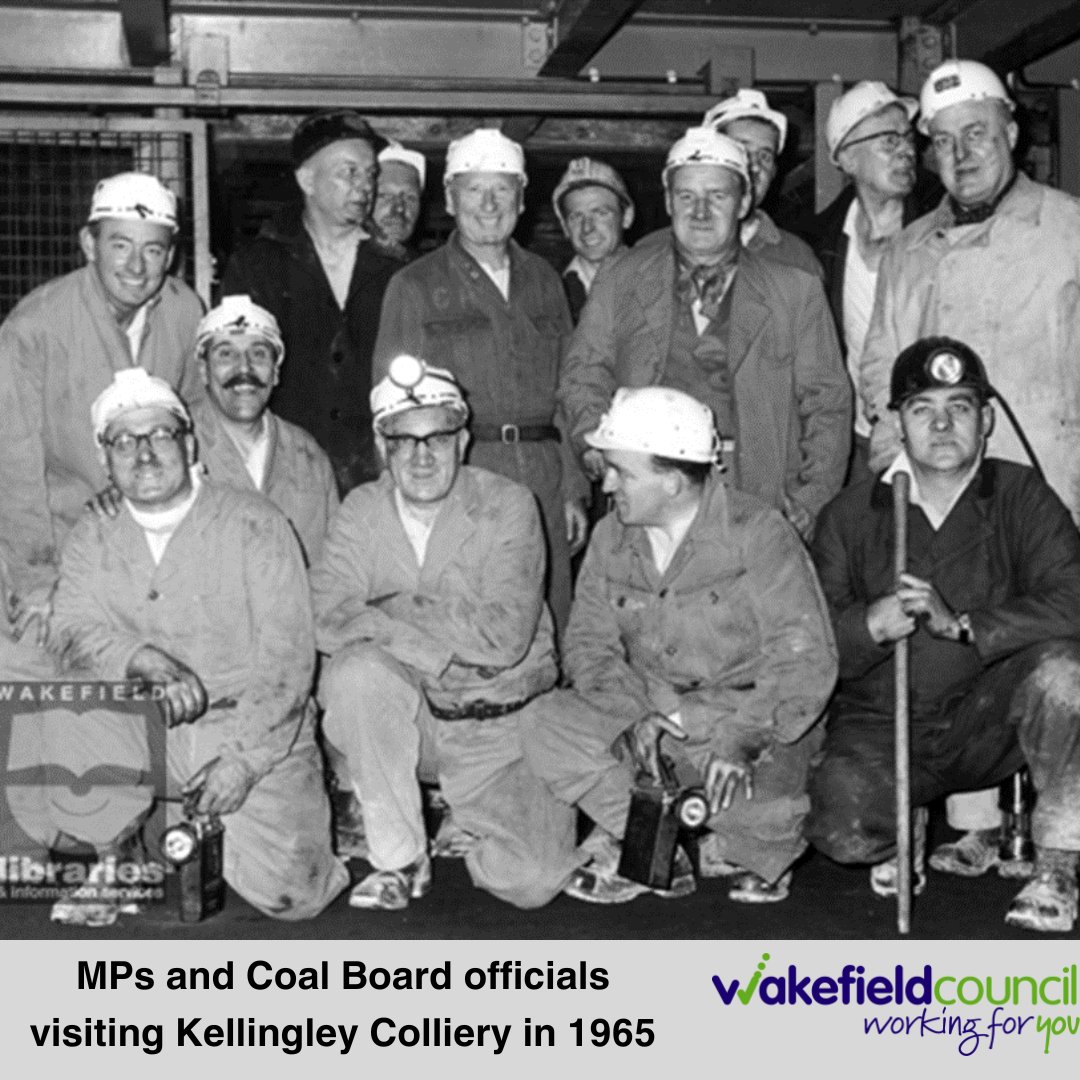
(127, 444)
(438, 442)
(889, 141)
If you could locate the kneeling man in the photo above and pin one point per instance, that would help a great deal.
(429, 601)
(698, 631)
(201, 589)
(991, 606)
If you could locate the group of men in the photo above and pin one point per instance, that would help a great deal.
(732, 622)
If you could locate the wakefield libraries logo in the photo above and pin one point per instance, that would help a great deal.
(80, 763)
(947, 1001)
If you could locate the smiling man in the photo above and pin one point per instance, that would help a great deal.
(750, 337)
(59, 349)
(429, 603)
(199, 589)
(991, 607)
(241, 442)
(594, 209)
(500, 313)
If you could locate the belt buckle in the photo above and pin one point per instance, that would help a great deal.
(509, 433)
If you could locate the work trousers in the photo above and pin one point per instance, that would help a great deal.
(1021, 710)
(378, 717)
(569, 746)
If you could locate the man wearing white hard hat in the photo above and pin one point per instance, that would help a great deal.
(497, 313)
(997, 266)
(59, 348)
(321, 269)
(200, 590)
(594, 209)
(241, 442)
(747, 118)
(429, 605)
(400, 193)
(698, 633)
(750, 337)
(872, 142)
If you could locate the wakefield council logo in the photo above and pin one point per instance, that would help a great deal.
(80, 764)
(947, 1001)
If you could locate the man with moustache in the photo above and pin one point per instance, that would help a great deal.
(499, 314)
(400, 194)
(322, 274)
(750, 337)
(240, 441)
(200, 590)
(594, 209)
(996, 265)
(59, 349)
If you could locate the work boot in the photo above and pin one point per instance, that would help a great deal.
(391, 890)
(1048, 902)
(885, 876)
(750, 888)
(599, 882)
(970, 856)
(451, 841)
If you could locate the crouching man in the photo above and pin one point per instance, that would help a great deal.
(698, 632)
(200, 589)
(991, 606)
(429, 601)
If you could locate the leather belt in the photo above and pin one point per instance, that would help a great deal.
(479, 710)
(513, 433)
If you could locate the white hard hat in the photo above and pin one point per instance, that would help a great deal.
(133, 196)
(658, 420)
(862, 100)
(485, 150)
(746, 105)
(588, 172)
(234, 316)
(706, 146)
(956, 81)
(134, 388)
(394, 151)
(411, 383)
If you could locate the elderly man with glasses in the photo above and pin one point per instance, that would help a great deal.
(199, 589)
(430, 606)
(872, 142)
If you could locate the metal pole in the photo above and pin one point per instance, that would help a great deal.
(901, 483)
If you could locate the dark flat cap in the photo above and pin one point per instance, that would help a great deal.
(325, 128)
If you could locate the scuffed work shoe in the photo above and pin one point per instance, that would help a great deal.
(391, 890)
(451, 841)
(711, 861)
(884, 876)
(599, 882)
(970, 856)
(1046, 904)
(750, 888)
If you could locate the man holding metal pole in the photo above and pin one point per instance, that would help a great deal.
(990, 606)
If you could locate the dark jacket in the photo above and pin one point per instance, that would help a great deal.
(1008, 554)
(326, 376)
(830, 243)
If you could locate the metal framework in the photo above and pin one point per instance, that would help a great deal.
(48, 168)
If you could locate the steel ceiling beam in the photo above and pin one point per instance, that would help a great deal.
(146, 30)
(584, 25)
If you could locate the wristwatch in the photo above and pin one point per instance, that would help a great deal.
(964, 632)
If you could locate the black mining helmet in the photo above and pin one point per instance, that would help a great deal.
(937, 363)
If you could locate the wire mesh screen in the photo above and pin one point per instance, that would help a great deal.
(47, 176)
